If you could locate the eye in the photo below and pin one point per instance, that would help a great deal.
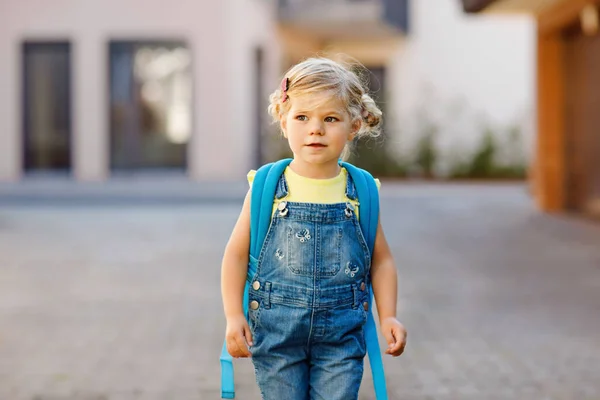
(331, 119)
(301, 117)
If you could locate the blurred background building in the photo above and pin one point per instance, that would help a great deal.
(91, 89)
(566, 172)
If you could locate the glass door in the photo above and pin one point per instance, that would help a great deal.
(150, 105)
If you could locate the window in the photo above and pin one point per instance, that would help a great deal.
(46, 106)
(150, 104)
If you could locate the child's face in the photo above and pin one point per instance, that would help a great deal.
(318, 127)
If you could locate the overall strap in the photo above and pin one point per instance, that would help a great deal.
(261, 202)
(264, 187)
(368, 196)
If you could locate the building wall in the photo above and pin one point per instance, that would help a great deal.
(220, 36)
(567, 171)
(253, 25)
(456, 71)
(460, 71)
(454, 68)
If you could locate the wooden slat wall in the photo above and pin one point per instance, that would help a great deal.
(551, 170)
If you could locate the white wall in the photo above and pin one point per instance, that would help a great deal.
(462, 69)
(217, 32)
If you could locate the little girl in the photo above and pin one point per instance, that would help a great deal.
(308, 301)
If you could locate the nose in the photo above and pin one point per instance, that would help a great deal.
(317, 129)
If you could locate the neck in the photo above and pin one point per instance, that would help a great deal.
(315, 171)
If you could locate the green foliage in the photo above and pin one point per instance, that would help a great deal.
(483, 163)
(426, 153)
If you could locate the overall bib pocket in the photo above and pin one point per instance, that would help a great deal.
(303, 255)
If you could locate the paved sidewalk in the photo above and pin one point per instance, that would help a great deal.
(140, 189)
(121, 301)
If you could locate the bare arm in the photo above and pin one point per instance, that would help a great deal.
(385, 288)
(384, 277)
(233, 278)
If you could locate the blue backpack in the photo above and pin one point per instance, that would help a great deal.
(261, 207)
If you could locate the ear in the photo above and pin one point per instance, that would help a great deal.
(283, 125)
(354, 130)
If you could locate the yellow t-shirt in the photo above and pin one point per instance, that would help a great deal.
(310, 190)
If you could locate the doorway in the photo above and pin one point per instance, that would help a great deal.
(46, 107)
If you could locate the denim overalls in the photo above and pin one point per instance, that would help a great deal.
(308, 301)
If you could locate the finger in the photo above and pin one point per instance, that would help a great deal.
(400, 335)
(394, 343)
(232, 348)
(235, 349)
(240, 340)
(399, 351)
(390, 339)
(248, 334)
(398, 347)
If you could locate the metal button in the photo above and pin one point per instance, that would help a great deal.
(256, 285)
(350, 206)
(365, 306)
(363, 286)
(282, 205)
(254, 304)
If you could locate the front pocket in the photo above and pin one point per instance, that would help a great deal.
(300, 248)
(304, 255)
(331, 250)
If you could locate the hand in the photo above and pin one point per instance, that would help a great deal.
(395, 334)
(238, 336)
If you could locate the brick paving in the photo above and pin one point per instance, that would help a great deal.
(121, 301)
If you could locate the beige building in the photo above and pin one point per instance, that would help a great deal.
(93, 89)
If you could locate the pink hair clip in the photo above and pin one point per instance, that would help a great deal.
(285, 85)
(365, 113)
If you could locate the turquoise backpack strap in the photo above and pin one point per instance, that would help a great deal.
(368, 196)
(264, 187)
(261, 203)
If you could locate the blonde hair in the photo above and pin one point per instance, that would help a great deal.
(319, 74)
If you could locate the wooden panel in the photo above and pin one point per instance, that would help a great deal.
(568, 108)
(582, 79)
(575, 143)
(593, 123)
(550, 161)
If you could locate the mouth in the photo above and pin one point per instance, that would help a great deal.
(316, 145)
